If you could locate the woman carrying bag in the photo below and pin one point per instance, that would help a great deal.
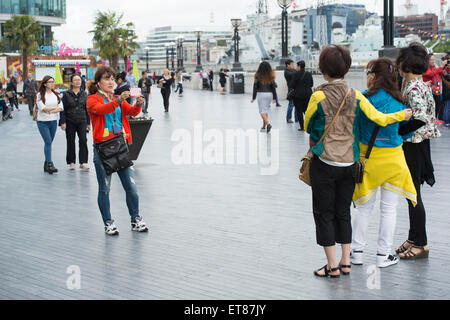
(332, 120)
(108, 114)
(165, 82)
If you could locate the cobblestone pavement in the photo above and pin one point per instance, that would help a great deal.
(216, 231)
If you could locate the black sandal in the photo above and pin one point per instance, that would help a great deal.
(402, 248)
(409, 255)
(344, 267)
(327, 272)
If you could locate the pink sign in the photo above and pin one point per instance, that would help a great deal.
(64, 50)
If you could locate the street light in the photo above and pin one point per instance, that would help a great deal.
(172, 53)
(284, 4)
(389, 49)
(199, 67)
(147, 49)
(236, 23)
(167, 45)
(180, 53)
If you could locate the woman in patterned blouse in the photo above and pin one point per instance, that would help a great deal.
(413, 62)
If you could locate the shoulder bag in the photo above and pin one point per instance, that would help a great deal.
(305, 174)
(361, 165)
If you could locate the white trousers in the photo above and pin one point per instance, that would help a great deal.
(388, 219)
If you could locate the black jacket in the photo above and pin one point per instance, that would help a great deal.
(124, 87)
(288, 75)
(168, 84)
(302, 82)
(30, 87)
(147, 86)
(75, 107)
(259, 87)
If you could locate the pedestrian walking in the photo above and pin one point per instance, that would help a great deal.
(386, 171)
(145, 83)
(49, 105)
(75, 121)
(264, 90)
(109, 113)
(223, 80)
(336, 150)
(289, 75)
(302, 83)
(211, 79)
(165, 83)
(413, 62)
(179, 78)
(30, 89)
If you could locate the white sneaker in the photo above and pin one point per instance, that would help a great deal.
(84, 167)
(386, 260)
(72, 167)
(139, 225)
(111, 229)
(357, 257)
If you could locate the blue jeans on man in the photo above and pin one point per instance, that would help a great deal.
(290, 110)
(104, 185)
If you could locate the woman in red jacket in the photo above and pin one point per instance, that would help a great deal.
(108, 114)
(433, 78)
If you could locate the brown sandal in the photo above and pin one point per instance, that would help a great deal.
(409, 255)
(403, 247)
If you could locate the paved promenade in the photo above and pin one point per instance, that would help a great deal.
(216, 231)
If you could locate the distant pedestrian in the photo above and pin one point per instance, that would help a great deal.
(30, 89)
(302, 83)
(288, 75)
(223, 80)
(264, 90)
(11, 92)
(75, 121)
(145, 83)
(131, 79)
(49, 105)
(179, 78)
(166, 81)
(211, 79)
(109, 113)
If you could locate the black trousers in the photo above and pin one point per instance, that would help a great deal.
(147, 98)
(79, 129)
(31, 101)
(300, 108)
(439, 107)
(417, 216)
(332, 189)
(166, 98)
(211, 85)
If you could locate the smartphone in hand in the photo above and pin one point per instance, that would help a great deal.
(135, 92)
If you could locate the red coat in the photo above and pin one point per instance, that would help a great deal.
(98, 109)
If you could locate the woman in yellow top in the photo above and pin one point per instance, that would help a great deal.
(386, 170)
(332, 168)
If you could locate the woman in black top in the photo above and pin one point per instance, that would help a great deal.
(223, 80)
(166, 80)
(11, 92)
(122, 85)
(302, 82)
(75, 120)
(264, 88)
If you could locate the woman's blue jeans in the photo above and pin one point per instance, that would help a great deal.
(104, 185)
(47, 129)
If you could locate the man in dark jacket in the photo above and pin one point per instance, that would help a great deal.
(211, 79)
(302, 82)
(288, 75)
(75, 121)
(145, 83)
(30, 90)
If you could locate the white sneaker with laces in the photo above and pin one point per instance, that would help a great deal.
(357, 257)
(386, 260)
(111, 229)
(72, 167)
(139, 225)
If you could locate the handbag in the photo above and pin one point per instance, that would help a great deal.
(361, 165)
(305, 170)
(114, 154)
(35, 112)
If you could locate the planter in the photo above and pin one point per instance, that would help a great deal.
(140, 128)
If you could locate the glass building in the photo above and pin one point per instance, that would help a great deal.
(50, 13)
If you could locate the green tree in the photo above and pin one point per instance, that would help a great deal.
(127, 42)
(106, 36)
(25, 33)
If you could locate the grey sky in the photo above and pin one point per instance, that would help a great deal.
(155, 13)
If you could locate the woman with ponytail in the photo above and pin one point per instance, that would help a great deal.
(108, 114)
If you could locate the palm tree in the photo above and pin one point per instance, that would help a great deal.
(25, 33)
(127, 42)
(106, 35)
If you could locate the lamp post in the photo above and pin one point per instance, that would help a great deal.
(284, 4)
(172, 53)
(167, 55)
(389, 49)
(147, 49)
(199, 67)
(180, 53)
(236, 23)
